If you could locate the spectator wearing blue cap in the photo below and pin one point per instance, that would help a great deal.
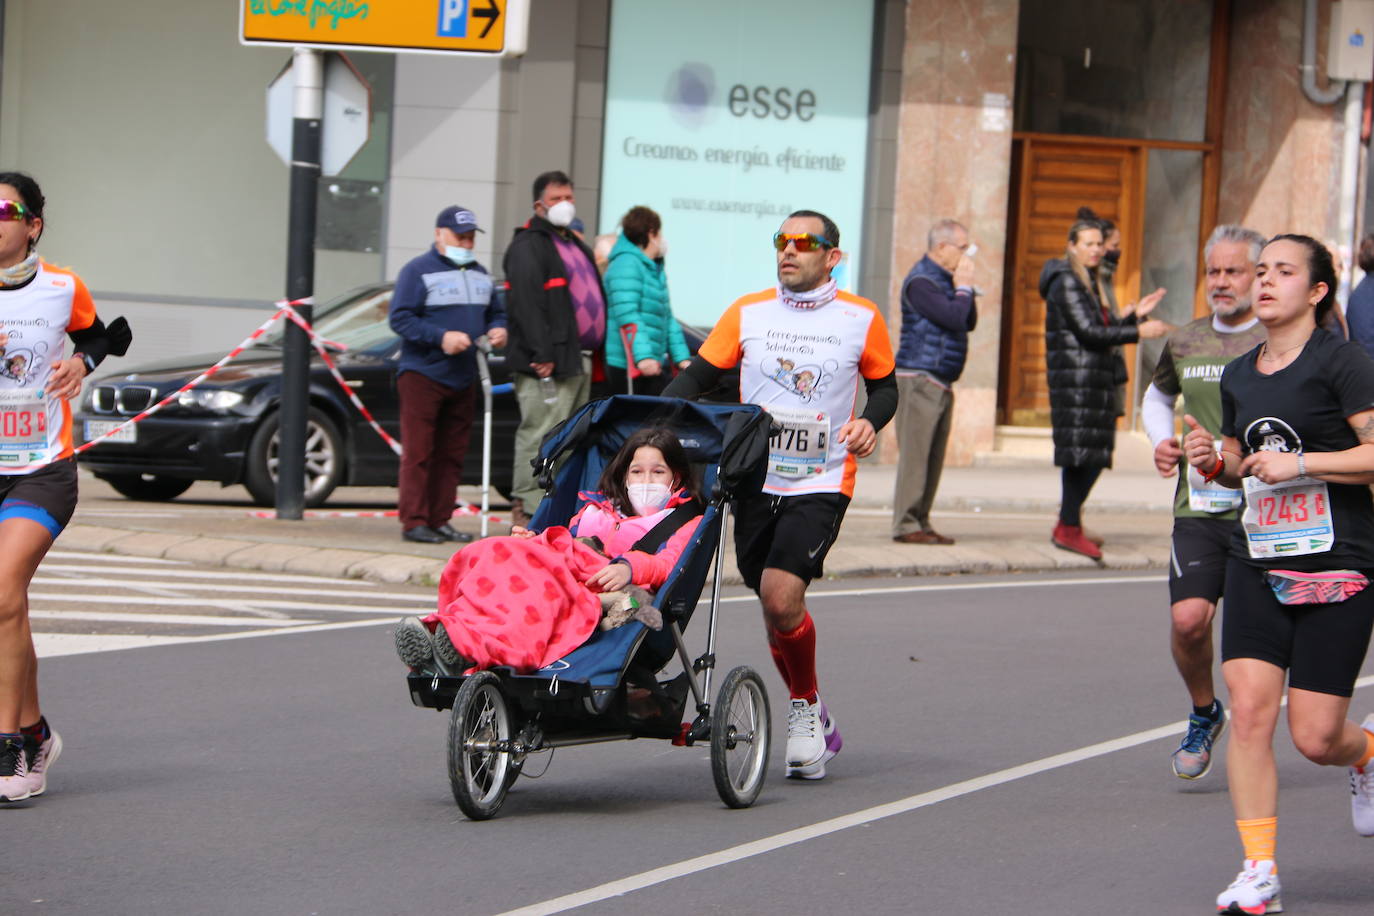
(443, 301)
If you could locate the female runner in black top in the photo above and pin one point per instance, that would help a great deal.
(1298, 435)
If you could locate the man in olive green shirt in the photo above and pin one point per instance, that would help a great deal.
(1204, 514)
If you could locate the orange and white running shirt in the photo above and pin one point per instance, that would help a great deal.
(34, 428)
(803, 365)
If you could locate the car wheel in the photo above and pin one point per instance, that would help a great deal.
(148, 487)
(323, 459)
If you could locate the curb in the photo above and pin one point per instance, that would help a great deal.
(846, 560)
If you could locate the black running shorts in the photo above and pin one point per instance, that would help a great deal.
(46, 496)
(791, 533)
(1198, 557)
(1321, 645)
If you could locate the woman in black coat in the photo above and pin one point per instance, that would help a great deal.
(1080, 335)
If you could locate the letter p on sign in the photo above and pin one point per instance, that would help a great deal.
(453, 18)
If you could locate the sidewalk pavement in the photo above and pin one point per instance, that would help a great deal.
(1000, 517)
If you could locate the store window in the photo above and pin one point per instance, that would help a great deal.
(1114, 68)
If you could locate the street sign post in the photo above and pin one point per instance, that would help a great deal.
(347, 114)
(488, 28)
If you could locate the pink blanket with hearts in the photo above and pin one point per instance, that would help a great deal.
(519, 601)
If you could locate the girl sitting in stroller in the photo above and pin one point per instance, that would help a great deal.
(529, 599)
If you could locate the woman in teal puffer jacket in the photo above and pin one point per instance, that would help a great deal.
(637, 296)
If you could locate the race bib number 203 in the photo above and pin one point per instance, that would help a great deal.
(23, 426)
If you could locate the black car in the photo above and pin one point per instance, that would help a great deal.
(226, 428)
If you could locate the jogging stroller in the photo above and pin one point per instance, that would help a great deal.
(610, 688)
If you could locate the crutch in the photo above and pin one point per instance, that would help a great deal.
(483, 347)
(627, 337)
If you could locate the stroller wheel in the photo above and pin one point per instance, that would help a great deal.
(741, 729)
(480, 765)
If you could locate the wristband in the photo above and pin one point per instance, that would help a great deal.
(1212, 475)
(86, 361)
(1302, 465)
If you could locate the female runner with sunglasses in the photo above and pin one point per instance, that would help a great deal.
(1298, 432)
(39, 305)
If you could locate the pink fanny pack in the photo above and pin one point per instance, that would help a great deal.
(1330, 587)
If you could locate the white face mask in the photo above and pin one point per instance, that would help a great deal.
(647, 498)
(662, 247)
(562, 213)
(459, 256)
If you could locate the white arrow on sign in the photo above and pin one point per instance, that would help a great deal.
(347, 114)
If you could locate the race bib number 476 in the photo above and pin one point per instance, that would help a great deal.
(800, 442)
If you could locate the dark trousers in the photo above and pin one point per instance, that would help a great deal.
(436, 422)
(645, 384)
(1075, 485)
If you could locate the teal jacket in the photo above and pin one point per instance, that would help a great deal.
(637, 294)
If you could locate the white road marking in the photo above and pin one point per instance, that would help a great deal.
(952, 587)
(174, 589)
(239, 604)
(51, 645)
(200, 620)
(777, 841)
(112, 558)
(251, 574)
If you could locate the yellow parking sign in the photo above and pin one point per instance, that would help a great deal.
(485, 27)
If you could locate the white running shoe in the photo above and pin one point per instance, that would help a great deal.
(40, 755)
(812, 739)
(14, 771)
(1362, 791)
(1255, 890)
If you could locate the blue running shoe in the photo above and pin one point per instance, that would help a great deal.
(1193, 758)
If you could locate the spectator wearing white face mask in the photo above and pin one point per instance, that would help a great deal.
(557, 313)
(443, 301)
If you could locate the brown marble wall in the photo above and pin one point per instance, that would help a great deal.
(1280, 161)
(954, 160)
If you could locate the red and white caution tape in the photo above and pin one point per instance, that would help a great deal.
(285, 309)
(467, 509)
(247, 342)
(321, 344)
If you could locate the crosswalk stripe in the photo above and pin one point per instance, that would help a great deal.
(226, 604)
(93, 582)
(113, 558)
(254, 575)
(199, 620)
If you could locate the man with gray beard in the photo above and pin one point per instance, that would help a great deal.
(1205, 513)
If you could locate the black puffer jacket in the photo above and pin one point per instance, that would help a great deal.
(1079, 337)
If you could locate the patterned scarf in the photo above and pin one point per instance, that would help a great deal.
(811, 298)
(20, 273)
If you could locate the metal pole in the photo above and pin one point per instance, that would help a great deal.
(484, 373)
(307, 67)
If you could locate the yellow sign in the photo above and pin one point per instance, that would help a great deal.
(453, 26)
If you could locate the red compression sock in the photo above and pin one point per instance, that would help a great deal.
(796, 653)
(778, 659)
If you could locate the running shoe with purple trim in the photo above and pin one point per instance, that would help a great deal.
(812, 739)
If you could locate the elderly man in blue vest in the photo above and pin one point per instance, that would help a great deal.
(938, 311)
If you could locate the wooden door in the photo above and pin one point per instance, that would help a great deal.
(1051, 179)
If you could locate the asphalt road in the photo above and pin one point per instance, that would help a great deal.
(1007, 747)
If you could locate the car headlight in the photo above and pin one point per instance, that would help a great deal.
(216, 399)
